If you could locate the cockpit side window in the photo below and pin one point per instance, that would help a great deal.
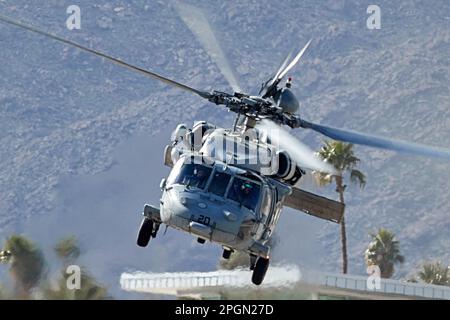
(219, 183)
(245, 192)
(193, 175)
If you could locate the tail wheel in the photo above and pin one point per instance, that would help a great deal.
(260, 270)
(145, 232)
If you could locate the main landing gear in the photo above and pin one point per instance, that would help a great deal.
(258, 265)
(147, 230)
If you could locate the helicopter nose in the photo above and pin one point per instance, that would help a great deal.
(200, 216)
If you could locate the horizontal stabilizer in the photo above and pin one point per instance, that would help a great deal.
(315, 205)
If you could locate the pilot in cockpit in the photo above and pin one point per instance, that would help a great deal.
(246, 193)
(197, 179)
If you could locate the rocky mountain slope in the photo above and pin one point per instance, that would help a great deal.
(82, 139)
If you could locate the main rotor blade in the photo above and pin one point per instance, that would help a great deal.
(196, 21)
(377, 142)
(294, 62)
(147, 73)
(299, 152)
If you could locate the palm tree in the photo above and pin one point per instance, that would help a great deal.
(341, 156)
(89, 289)
(384, 252)
(68, 252)
(26, 262)
(435, 273)
(27, 266)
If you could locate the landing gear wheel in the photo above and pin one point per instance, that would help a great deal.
(145, 232)
(226, 254)
(260, 270)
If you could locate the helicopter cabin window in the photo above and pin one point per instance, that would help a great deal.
(219, 183)
(193, 175)
(245, 192)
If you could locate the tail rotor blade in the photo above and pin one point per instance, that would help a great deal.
(196, 21)
(283, 65)
(271, 81)
(294, 62)
(283, 70)
(377, 142)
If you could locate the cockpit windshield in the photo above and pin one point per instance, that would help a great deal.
(239, 188)
(219, 183)
(193, 175)
(245, 192)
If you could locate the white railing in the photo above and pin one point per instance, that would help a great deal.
(386, 286)
(139, 281)
(276, 277)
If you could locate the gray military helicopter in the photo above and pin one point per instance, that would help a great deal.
(229, 186)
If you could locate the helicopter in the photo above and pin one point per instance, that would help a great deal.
(229, 185)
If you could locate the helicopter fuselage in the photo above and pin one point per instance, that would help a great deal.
(228, 186)
(224, 187)
(233, 207)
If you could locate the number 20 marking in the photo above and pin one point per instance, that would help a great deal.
(203, 219)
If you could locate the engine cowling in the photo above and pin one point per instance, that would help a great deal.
(288, 170)
(199, 131)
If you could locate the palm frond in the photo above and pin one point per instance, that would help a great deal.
(67, 249)
(358, 177)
